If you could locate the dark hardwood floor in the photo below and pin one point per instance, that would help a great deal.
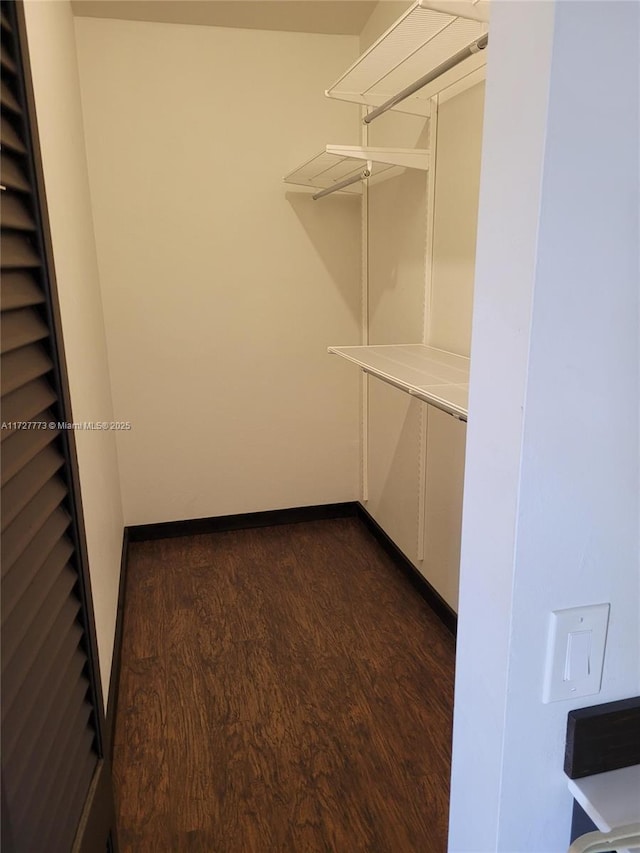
(282, 689)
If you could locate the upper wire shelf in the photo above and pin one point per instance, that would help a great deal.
(420, 42)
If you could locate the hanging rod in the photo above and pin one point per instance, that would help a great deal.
(445, 66)
(346, 183)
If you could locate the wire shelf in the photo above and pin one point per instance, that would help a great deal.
(423, 38)
(338, 163)
(435, 376)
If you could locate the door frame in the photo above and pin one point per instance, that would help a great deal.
(96, 828)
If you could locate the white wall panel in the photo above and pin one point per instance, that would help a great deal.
(456, 219)
(552, 479)
(394, 472)
(397, 242)
(446, 438)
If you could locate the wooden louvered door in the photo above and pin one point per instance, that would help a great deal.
(56, 785)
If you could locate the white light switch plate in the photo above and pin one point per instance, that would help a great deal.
(575, 652)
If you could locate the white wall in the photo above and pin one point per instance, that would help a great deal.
(551, 489)
(52, 52)
(222, 288)
(444, 476)
(383, 16)
(456, 218)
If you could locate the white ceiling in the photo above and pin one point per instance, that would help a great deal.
(340, 17)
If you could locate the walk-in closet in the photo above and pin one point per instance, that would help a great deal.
(319, 364)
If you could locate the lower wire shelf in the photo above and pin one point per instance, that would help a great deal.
(432, 375)
(343, 167)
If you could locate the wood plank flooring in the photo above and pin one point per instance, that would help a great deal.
(282, 689)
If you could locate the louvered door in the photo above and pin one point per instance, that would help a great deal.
(56, 788)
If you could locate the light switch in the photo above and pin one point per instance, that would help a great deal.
(578, 663)
(575, 652)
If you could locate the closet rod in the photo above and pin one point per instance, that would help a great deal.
(342, 184)
(445, 66)
(425, 398)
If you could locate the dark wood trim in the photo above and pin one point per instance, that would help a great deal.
(116, 658)
(602, 738)
(439, 606)
(61, 379)
(223, 523)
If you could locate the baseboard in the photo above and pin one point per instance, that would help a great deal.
(224, 523)
(116, 659)
(437, 603)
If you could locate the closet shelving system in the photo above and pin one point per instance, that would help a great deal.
(435, 45)
(344, 167)
(435, 376)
